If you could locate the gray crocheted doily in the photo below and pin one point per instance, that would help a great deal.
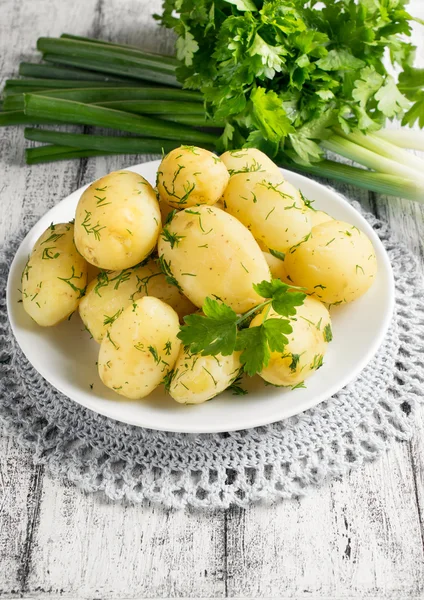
(276, 461)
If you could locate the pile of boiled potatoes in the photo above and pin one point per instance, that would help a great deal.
(229, 222)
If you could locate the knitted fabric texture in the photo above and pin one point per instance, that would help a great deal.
(281, 460)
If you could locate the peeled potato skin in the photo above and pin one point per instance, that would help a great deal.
(110, 293)
(55, 277)
(337, 263)
(140, 348)
(188, 176)
(270, 207)
(306, 348)
(117, 221)
(210, 253)
(197, 378)
(248, 160)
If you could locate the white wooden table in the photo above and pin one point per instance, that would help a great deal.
(359, 537)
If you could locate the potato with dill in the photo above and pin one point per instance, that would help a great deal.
(55, 276)
(198, 378)
(307, 344)
(336, 262)
(140, 348)
(270, 207)
(111, 292)
(207, 252)
(248, 160)
(188, 176)
(117, 221)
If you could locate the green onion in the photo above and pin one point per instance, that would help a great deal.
(121, 144)
(88, 114)
(69, 36)
(386, 149)
(44, 154)
(381, 183)
(108, 58)
(93, 95)
(99, 50)
(404, 138)
(117, 66)
(55, 72)
(193, 120)
(369, 159)
(144, 107)
(14, 86)
(18, 117)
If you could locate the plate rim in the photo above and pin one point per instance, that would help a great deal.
(250, 421)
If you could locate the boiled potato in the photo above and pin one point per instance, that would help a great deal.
(55, 276)
(270, 207)
(140, 348)
(306, 348)
(248, 160)
(336, 263)
(276, 266)
(318, 216)
(117, 221)
(210, 253)
(199, 378)
(188, 176)
(111, 292)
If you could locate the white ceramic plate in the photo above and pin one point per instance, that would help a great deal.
(66, 357)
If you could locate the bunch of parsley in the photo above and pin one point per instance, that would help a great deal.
(282, 74)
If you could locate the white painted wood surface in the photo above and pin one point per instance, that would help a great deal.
(359, 537)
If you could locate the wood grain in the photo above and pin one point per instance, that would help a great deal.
(358, 537)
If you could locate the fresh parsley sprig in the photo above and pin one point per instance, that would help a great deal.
(220, 330)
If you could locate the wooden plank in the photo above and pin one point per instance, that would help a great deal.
(118, 550)
(20, 485)
(357, 537)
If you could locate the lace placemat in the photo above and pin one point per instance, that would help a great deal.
(281, 460)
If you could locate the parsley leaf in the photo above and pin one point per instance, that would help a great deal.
(283, 302)
(255, 351)
(276, 330)
(214, 333)
(390, 100)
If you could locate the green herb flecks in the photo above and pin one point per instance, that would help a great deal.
(48, 253)
(70, 281)
(277, 254)
(111, 340)
(166, 270)
(317, 362)
(101, 201)
(172, 238)
(90, 228)
(328, 333)
(153, 351)
(109, 320)
(54, 237)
